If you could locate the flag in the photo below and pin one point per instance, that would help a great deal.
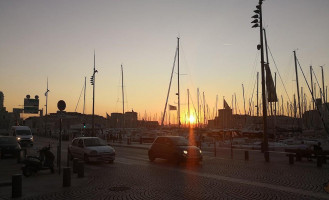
(271, 94)
(172, 107)
(226, 106)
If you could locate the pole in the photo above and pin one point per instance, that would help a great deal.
(178, 111)
(60, 145)
(46, 107)
(257, 95)
(84, 98)
(123, 100)
(263, 82)
(93, 116)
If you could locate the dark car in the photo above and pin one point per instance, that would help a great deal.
(174, 148)
(9, 146)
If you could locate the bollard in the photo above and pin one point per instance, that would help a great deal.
(16, 186)
(319, 161)
(66, 177)
(81, 169)
(291, 159)
(246, 155)
(75, 165)
(267, 156)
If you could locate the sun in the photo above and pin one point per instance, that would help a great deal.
(192, 119)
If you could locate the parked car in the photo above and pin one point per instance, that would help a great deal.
(91, 149)
(9, 146)
(174, 148)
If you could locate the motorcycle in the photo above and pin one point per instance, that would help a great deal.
(45, 160)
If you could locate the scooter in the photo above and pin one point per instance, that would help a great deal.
(45, 160)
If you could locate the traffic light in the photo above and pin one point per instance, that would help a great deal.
(84, 125)
(92, 80)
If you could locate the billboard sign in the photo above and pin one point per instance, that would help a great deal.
(31, 105)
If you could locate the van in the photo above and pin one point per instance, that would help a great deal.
(23, 135)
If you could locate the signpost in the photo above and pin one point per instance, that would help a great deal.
(31, 105)
(61, 105)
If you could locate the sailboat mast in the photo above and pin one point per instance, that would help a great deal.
(300, 114)
(244, 101)
(198, 108)
(178, 110)
(204, 110)
(323, 93)
(216, 105)
(123, 99)
(312, 92)
(188, 108)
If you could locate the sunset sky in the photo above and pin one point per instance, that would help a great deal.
(57, 39)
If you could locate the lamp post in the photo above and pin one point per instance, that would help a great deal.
(92, 81)
(260, 47)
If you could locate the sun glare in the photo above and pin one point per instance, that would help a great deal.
(192, 119)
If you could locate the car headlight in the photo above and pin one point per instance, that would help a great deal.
(200, 151)
(93, 152)
(185, 152)
(18, 138)
(31, 138)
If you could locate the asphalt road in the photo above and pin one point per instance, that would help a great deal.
(133, 176)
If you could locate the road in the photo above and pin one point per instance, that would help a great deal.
(133, 176)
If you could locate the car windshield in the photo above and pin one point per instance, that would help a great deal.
(8, 140)
(94, 142)
(180, 141)
(23, 132)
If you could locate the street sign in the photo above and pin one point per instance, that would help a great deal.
(31, 105)
(61, 105)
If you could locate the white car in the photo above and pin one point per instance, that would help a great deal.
(91, 149)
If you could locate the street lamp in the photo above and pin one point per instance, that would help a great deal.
(92, 81)
(259, 23)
